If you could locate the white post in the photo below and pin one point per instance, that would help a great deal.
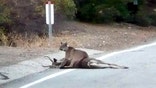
(50, 18)
(50, 26)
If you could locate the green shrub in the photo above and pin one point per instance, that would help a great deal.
(87, 14)
(152, 17)
(3, 37)
(102, 11)
(5, 21)
(104, 14)
(4, 14)
(142, 19)
(106, 11)
(66, 7)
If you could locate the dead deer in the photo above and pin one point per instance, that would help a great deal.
(79, 59)
(94, 63)
(90, 63)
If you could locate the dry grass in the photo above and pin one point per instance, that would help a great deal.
(101, 37)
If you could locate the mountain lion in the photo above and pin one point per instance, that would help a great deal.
(72, 56)
(75, 58)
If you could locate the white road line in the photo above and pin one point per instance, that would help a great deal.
(47, 77)
(127, 50)
(69, 70)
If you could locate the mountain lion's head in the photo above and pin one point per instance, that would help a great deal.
(63, 47)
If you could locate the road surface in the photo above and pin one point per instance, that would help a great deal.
(141, 73)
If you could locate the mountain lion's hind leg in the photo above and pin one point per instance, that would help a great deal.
(71, 65)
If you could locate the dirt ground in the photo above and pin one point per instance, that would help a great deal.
(106, 38)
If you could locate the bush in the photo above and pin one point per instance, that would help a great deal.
(87, 14)
(104, 14)
(106, 11)
(102, 11)
(142, 19)
(66, 7)
(3, 37)
(152, 17)
(5, 21)
(4, 14)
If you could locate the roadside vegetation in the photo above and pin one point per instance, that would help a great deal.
(139, 12)
(24, 21)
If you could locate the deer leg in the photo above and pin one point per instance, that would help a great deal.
(100, 64)
(117, 66)
(65, 61)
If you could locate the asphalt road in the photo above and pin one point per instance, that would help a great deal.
(141, 73)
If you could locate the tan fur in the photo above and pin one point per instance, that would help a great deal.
(75, 58)
(72, 55)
